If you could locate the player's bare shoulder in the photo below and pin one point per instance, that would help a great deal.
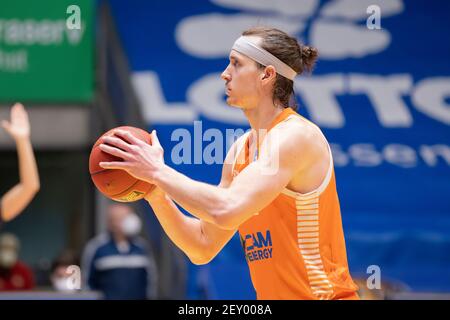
(298, 127)
(301, 139)
(297, 131)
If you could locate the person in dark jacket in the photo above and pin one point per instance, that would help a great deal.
(119, 263)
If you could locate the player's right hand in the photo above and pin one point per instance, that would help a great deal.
(19, 126)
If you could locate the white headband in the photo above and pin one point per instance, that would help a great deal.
(245, 46)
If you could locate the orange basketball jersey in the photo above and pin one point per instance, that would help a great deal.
(295, 247)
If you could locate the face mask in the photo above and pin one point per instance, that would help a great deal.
(8, 258)
(131, 225)
(61, 284)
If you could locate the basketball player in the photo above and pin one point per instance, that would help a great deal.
(277, 188)
(18, 197)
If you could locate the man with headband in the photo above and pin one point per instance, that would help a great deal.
(277, 187)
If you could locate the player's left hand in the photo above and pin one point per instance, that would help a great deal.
(140, 159)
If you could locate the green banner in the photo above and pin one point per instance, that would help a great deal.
(46, 50)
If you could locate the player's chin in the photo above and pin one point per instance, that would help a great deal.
(232, 102)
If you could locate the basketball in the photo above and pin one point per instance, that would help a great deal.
(117, 184)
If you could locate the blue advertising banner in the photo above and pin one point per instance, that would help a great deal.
(380, 95)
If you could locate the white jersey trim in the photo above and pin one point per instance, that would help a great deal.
(318, 191)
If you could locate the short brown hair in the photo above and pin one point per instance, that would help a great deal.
(299, 57)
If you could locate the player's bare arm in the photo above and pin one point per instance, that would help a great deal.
(17, 198)
(200, 240)
(227, 207)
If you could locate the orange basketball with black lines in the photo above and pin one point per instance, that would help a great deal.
(117, 184)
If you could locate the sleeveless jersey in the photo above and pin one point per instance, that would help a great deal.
(295, 247)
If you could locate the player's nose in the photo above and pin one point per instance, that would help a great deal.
(226, 75)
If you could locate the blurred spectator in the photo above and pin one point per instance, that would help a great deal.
(14, 274)
(119, 263)
(18, 197)
(62, 272)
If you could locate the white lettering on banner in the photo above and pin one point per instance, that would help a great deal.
(319, 93)
(15, 32)
(14, 61)
(428, 97)
(356, 9)
(282, 7)
(155, 109)
(212, 35)
(365, 155)
(430, 154)
(385, 93)
(340, 158)
(74, 35)
(400, 155)
(349, 40)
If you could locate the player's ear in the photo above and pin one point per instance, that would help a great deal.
(269, 73)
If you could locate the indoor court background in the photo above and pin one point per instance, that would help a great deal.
(381, 97)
